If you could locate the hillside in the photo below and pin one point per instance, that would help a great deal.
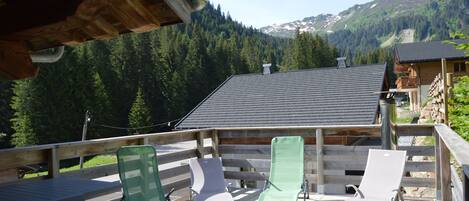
(382, 23)
(351, 19)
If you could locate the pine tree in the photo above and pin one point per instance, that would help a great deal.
(140, 115)
(50, 107)
(5, 114)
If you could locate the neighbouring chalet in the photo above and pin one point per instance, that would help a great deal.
(419, 63)
(320, 96)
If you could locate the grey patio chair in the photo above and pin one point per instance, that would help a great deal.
(383, 175)
(207, 180)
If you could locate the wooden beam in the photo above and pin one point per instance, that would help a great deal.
(319, 161)
(445, 90)
(445, 172)
(181, 8)
(144, 12)
(15, 61)
(107, 27)
(200, 144)
(215, 143)
(455, 143)
(53, 164)
(466, 182)
(437, 165)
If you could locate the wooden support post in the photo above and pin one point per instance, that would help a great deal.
(200, 144)
(83, 135)
(215, 142)
(437, 166)
(387, 109)
(445, 90)
(465, 182)
(53, 163)
(320, 161)
(144, 141)
(449, 79)
(445, 172)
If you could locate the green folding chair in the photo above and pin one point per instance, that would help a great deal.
(286, 179)
(138, 172)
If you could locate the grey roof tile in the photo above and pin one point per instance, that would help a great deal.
(321, 96)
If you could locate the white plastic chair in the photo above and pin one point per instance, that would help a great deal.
(207, 180)
(383, 175)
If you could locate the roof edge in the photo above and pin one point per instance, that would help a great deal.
(432, 60)
(383, 78)
(201, 102)
(313, 69)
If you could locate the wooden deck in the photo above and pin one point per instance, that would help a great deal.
(248, 195)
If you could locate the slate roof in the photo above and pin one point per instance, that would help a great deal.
(321, 96)
(427, 51)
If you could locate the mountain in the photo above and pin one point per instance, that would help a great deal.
(352, 18)
(382, 23)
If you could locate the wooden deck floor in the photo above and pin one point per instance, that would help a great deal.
(246, 195)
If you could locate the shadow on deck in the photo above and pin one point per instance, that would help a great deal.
(247, 195)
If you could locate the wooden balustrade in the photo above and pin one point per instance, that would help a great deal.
(246, 155)
(451, 185)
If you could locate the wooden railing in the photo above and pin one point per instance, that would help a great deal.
(452, 180)
(406, 82)
(52, 154)
(333, 154)
(246, 151)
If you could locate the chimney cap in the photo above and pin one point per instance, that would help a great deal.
(266, 69)
(341, 62)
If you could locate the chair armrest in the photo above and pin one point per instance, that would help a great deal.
(192, 191)
(357, 191)
(306, 188)
(169, 194)
(227, 184)
(266, 182)
(399, 194)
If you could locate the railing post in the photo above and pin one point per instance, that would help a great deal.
(215, 142)
(465, 182)
(83, 135)
(387, 107)
(445, 90)
(143, 141)
(200, 144)
(445, 172)
(53, 164)
(437, 166)
(320, 161)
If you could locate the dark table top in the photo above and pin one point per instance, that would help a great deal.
(61, 188)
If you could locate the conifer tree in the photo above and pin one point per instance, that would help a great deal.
(140, 115)
(5, 114)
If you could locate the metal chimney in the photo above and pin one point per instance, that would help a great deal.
(266, 69)
(342, 62)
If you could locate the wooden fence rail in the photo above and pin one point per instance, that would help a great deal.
(333, 155)
(451, 185)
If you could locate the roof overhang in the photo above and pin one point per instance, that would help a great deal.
(432, 60)
(29, 26)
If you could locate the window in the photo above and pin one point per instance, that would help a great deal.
(460, 67)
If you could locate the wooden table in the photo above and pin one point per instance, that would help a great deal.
(61, 188)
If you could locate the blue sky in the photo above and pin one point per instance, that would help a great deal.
(259, 13)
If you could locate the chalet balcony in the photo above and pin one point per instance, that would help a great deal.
(406, 82)
(245, 155)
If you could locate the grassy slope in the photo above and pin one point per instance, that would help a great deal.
(95, 161)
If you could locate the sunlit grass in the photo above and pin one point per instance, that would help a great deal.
(95, 161)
